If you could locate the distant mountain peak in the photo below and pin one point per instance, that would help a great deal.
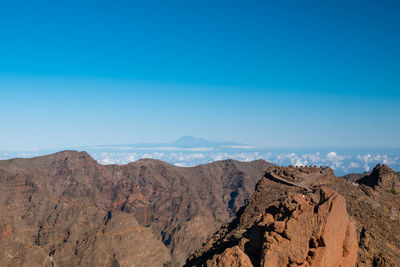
(188, 140)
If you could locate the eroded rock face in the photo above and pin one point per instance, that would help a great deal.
(231, 257)
(306, 175)
(309, 234)
(65, 209)
(284, 224)
(383, 176)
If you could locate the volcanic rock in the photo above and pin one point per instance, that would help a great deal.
(296, 232)
(65, 209)
(382, 176)
(289, 221)
(231, 257)
(302, 177)
(314, 234)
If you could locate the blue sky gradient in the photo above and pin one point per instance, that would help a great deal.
(267, 73)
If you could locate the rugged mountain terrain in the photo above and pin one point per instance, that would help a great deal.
(368, 178)
(65, 209)
(307, 216)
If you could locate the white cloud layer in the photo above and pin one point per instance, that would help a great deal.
(339, 161)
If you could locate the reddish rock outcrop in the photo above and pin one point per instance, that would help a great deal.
(382, 176)
(309, 234)
(303, 177)
(65, 209)
(285, 224)
(231, 257)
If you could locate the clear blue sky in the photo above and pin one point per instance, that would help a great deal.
(270, 73)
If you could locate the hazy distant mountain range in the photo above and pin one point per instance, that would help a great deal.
(191, 151)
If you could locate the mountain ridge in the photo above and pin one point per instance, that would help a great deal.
(279, 216)
(180, 206)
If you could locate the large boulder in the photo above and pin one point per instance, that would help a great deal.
(304, 233)
(312, 229)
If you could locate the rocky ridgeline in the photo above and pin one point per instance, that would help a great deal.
(65, 209)
(308, 174)
(307, 217)
(304, 177)
(381, 176)
(299, 232)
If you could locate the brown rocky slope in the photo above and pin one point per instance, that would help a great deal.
(65, 209)
(308, 217)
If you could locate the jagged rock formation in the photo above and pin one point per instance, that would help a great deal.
(66, 210)
(382, 176)
(375, 208)
(302, 232)
(233, 256)
(302, 177)
(284, 224)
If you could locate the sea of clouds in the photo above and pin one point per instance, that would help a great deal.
(342, 161)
